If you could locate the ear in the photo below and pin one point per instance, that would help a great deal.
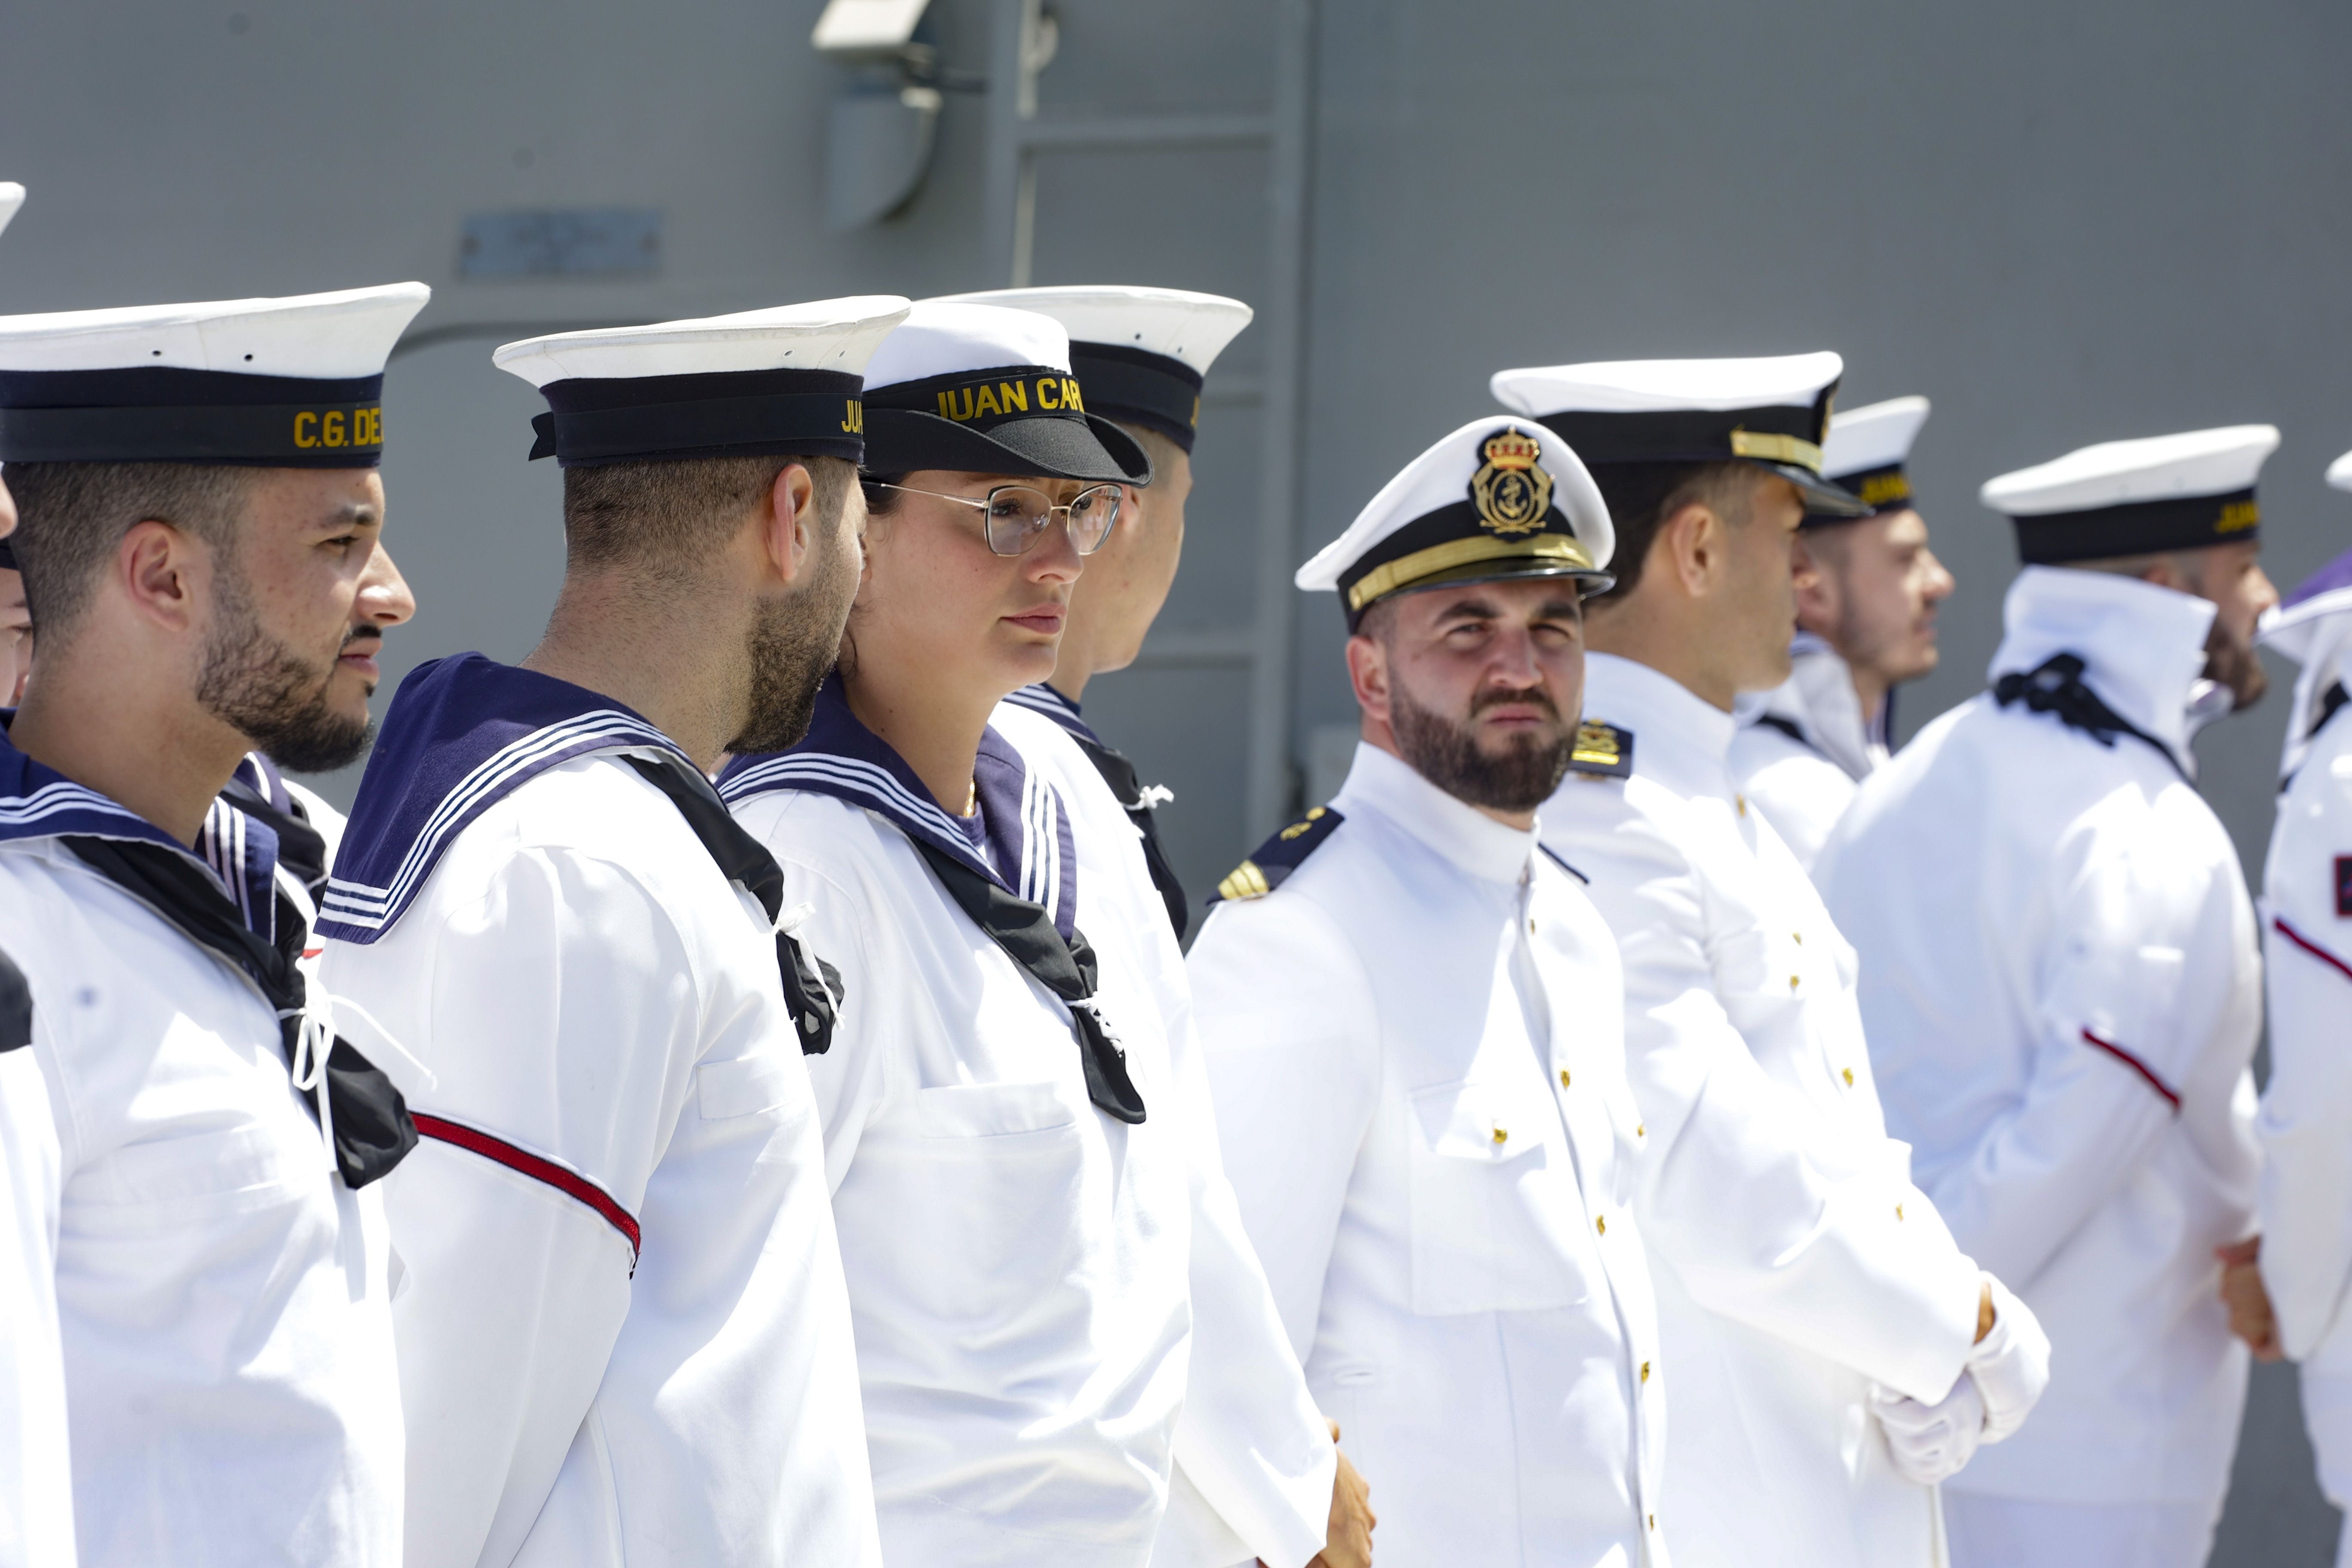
(164, 574)
(787, 528)
(1817, 593)
(1692, 543)
(1367, 672)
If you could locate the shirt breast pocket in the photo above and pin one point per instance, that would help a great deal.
(996, 1192)
(1494, 1201)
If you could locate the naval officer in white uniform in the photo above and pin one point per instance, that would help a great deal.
(201, 521)
(1256, 1477)
(1867, 592)
(2304, 1201)
(2063, 990)
(1831, 1352)
(1413, 1019)
(1010, 1164)
(623, 1338)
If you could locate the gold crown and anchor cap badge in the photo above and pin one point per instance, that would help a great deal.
(1499, 498)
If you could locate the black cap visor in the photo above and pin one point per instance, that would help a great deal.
(1822, 498)
(1090, 448)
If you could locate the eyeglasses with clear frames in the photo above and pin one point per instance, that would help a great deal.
(1014, 517)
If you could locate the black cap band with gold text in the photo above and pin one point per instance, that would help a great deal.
(595, 420)
(1004, 419)
(173, 415)
(1882, 490)
(1134, 387)
(2139, 528)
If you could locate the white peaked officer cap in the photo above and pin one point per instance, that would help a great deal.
(1140, 354)
(1866, 451)
(1498, 498)
(981, 389)
(295, 383)
(784, 382)
(1774, 413)
(2136, 498)
(12, 196)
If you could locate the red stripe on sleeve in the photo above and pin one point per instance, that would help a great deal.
(2311, 947)
(570, 1183)
(2138, 1066)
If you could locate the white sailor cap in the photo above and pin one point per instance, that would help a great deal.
(981, 389)
(12, 196)
(1866, 451)
(296, 383)
(1140, 354)
(1498, 498)
(780, 382)
(2135, 497)
(1774, 413)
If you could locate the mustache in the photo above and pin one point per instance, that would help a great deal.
(358, 634)
(1533, 697)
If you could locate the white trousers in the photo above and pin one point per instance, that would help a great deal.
(1988, 1531)
(2327, 1416)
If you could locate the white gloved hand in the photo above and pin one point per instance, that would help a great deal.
(2011, 1366)
(1931, 1442)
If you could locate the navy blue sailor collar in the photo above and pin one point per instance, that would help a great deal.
(1042, 697)
(1019, 836)
(240, 852)
(462, 735)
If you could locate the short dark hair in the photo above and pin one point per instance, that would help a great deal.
(669, 515)
(1642, 496)
(72, 516)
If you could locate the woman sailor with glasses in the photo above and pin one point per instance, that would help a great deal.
(1007, 1157)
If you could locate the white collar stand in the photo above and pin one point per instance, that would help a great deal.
(1677, 734)
(1453, 827)
(2142, 646)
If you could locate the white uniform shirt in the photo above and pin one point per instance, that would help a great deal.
(1795, 1263)
(36, 1481)
(221, 1295)
(1016, 1257)
(1414, 1045)
(616, 1068)
(2305, 1124)
(1254, 1461)
(1804, 780)
(2062, 993)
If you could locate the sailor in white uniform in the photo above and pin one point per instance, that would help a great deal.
(196, 1220)
(2063, 990)
(1008, 1149)
(623, 1338)
(2304, 1201)
(1831, 1352)
(1413, 1019)
(1868, 591)
(1257, 1477)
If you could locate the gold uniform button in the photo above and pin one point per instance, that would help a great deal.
(1797, 936)
(1645, 1371)
(1531, 928)
(1563, 1078)
(1741, 801)
(1601, 1224)
(1792, 982)
(1640, 1130)
(1653, 1521)
(1898, 1211)
(1847, 1073)
(1502, 1135)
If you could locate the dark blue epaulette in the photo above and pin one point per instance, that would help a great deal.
(1278, 857)
(1601, 750)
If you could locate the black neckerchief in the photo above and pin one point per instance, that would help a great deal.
(1027, 934)
(1790, 728)
(15, 1007)
(745, 859)
(372, 1129)
(301, 849)
(2055, 687)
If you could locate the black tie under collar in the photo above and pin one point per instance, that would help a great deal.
(372, 1129)
(2055, 687)
(1025, 931)
(812, 986)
